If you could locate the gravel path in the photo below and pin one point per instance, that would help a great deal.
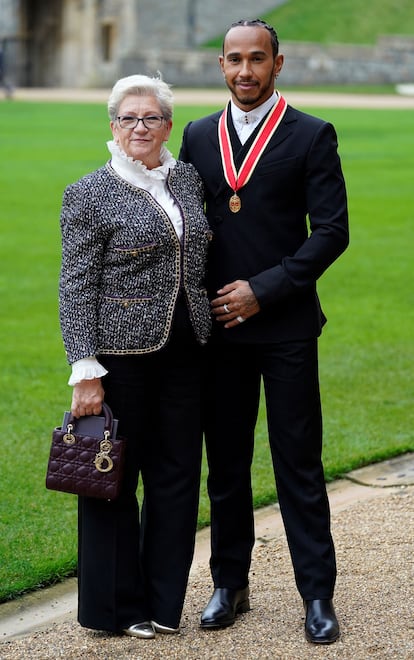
(374, 602)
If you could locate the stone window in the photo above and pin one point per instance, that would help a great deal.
(108, 41)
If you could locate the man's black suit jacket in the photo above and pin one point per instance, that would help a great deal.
(292, 225)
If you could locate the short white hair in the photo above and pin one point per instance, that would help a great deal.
(141, 86)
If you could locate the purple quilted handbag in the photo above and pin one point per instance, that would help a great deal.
(85, 462)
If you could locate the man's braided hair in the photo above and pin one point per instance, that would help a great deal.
(257, 22)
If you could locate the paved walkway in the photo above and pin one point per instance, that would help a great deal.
(220, 97)
(372, 522)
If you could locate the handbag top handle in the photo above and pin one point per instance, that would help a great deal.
(109, 419)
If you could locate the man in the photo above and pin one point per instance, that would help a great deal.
(8, 89)
(266, 168)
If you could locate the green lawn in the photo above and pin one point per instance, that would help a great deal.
(350, 22)
(366, 349)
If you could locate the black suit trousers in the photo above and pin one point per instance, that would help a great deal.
(135, 567)
(291, 386)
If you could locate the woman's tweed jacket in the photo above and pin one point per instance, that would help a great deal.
(123, 264)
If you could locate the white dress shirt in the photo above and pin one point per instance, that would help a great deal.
(246, 122)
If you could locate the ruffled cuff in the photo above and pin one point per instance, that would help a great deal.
(86, 369)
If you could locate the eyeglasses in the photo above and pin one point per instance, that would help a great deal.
(152, 121)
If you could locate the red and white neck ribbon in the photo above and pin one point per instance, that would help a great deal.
(237, 180)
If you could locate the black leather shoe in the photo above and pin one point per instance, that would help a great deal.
(223, 606)
(321, 624)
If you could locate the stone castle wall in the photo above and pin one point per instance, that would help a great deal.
(67, 43)
(390, 61)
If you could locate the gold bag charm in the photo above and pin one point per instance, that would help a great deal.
(103, 462)
(69, 438)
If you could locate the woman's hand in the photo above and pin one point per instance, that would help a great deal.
(87, 398)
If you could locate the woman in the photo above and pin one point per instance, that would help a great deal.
(134, 318)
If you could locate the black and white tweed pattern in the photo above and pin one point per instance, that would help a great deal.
(123, 264)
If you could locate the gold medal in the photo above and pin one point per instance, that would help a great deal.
(235, 203)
